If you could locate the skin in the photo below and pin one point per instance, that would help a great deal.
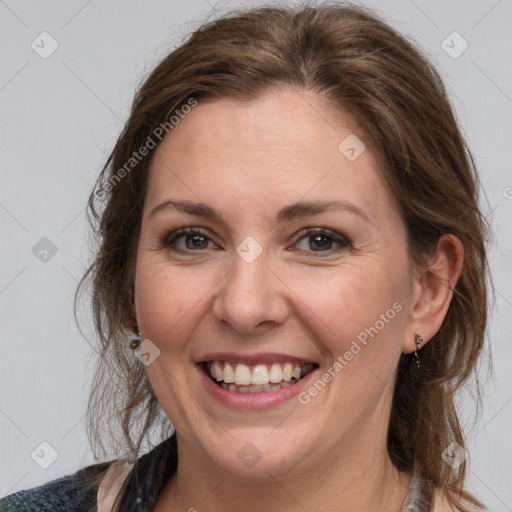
(247, 160)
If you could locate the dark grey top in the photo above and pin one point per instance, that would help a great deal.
(141, 487)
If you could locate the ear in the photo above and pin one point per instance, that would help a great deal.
(433, 291)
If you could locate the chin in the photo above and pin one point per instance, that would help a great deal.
(255, 453)
(257, 461)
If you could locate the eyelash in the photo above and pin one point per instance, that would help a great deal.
(169, 239)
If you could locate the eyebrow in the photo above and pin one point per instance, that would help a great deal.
(290, 212)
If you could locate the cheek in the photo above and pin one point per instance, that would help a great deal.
(356, 303)
(351, 302)
(168, 300)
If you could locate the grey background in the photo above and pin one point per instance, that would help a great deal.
(60, 118)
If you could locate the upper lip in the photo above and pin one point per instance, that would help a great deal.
(250, 359)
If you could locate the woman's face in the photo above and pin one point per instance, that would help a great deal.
(271, 283)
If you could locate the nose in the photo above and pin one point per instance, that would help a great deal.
(252, 298)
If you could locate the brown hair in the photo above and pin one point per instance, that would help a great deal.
(353, 61)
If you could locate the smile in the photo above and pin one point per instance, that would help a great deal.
(258, 378)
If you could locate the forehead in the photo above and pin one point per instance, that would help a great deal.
(280, 147)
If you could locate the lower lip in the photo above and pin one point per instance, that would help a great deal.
(253, 401)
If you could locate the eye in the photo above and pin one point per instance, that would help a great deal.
(316, 240)
(186, 239)
(322, 240)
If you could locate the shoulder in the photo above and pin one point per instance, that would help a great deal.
(71, 493)
(111, 485)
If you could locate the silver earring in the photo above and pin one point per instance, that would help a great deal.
(419, 341)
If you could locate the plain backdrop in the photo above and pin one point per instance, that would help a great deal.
(61, 114)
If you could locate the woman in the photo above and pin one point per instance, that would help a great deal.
(289, 226)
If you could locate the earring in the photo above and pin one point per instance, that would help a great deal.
(135, 342)
(419, 341)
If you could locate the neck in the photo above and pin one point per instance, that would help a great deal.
(354, 481)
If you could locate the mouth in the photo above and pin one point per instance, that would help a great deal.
(238, 377)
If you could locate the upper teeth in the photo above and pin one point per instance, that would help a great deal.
(244, 375)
